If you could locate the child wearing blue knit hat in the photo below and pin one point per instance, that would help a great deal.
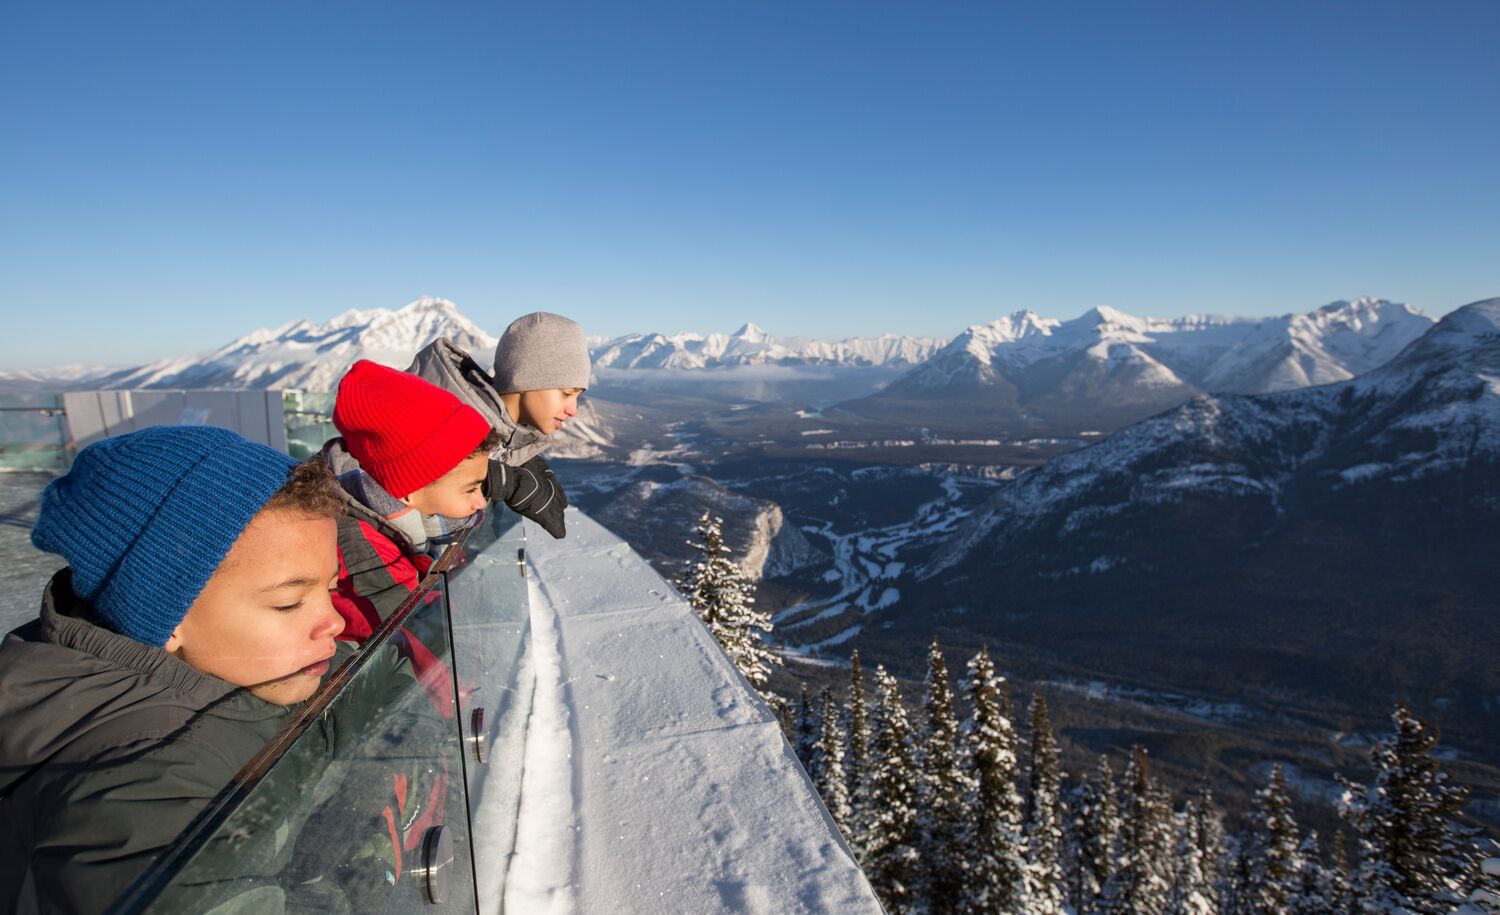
(194, 610)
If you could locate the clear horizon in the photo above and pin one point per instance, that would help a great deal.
(176, 176)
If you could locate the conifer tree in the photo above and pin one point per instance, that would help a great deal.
(1273, 863)
(1341, 886)
(944, 791)
(1043, 820)
(997, 863)
(856, 761)
(1210, 832)
(891, 836)
(828, 764)
(1234, 877)
(718, 591)
(806, 730)
(1190, 885)
(1312, 892)
(1094, 829)
(1413, 852)
(1485, 897)
(1139, 887)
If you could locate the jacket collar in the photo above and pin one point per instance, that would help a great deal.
(68, 621)
(366, 500)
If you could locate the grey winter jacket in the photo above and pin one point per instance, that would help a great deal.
(108, 749)
(454, 370)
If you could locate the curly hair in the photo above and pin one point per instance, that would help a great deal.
(310, 489)
(490, 443)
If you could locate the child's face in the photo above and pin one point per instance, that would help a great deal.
(458, 493)
(265, 620)
(548, 409)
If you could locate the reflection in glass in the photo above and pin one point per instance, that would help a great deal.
(341, 812)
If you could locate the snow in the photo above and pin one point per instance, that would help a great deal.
(540, 878)
(667, 783)
(1193, 706)
(1244, 355)
(750, 345)
(838, 639)
(826, 613)
(313, 357)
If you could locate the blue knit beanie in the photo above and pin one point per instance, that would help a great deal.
(145, 518)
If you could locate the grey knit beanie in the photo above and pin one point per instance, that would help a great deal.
(540, 351)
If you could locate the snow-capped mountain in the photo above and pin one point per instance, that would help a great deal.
(1107, 368)
(1326, 547)
(312, 357)
(1435, 407)
(61, 378)
(750, 345)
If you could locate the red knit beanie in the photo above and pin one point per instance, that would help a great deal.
(404, 431)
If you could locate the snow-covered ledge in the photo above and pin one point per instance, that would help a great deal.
(655, 779)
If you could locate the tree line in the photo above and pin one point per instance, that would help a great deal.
(945, 815)
(945, 818)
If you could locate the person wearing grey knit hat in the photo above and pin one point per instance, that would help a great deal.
(541, 367)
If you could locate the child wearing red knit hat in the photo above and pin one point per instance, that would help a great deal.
(412, 461)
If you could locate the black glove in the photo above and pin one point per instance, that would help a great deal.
(531, 491)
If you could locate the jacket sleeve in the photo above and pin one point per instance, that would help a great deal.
(107, 819)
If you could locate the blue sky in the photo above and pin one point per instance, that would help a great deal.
(173, 175)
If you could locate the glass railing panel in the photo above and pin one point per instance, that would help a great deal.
(357, 806)
(309, 422)
(33, 432)
(492, 658)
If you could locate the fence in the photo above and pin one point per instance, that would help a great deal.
(44, 431)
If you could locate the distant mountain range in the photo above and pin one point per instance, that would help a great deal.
(1023, 354)
(1106, 368)
(309, 356)
(752, 346)
(1023, 375)
(1332, 540)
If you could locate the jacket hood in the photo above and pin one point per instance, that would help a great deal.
(453, 370)
(64, 675)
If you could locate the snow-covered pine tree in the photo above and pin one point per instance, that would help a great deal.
(1414, 854)
(1236, 894)
(1210, 832)
(1043, 819)
(1484, 899)
(718, 591)
(1163, 837)
(1191, 884)
(891, 836)
(1138, 886)
(1273, 863)
(1312, 892)
(827, 769)
(944, 792)
(856, 761)
(1094, 828)
(996, 856)
(1340, 883)
(806, 731)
